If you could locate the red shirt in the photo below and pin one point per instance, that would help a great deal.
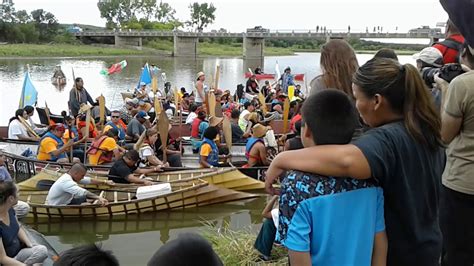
(92, 132)
(195, 128)
(293, 121)
(450, 55)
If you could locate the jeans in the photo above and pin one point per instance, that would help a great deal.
(265, 238)
(35, 254)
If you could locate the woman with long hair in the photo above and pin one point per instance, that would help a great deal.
(338, 64)
(403, 151)
(17, 130)
(147, 149)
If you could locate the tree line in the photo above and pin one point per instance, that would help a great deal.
(151, 14)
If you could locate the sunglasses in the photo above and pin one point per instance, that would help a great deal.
(115, 116)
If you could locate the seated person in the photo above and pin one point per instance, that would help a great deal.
(30, 111)
(238, 136)
(124, 169)
(142, 92)
(173, 150)
(255, 150)
(295, 143)
(52, 148)
(21, 208)
(105, 149)
(147, 150)
(66, 191)
(90, 254)
(197, 130)
(209, 152)
(266, 236)
(16, 247)
(115, 122)
(16, 129)
(136, 126)
(82, 124)
(144, 106)
(193, 113)
(310, 203)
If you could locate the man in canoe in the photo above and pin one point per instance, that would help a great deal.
(124, 169)
(136, 126)
(105, 149)
(252, 85)
(116, 124)
(255, 150)
(66, 191)
(52, 147)
(78, 96)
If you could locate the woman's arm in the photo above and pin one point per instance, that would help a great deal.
(329, 160)
(269, 207)
(5, 260)
(153, 160)
(24, 238)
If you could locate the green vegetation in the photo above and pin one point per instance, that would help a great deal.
(236, 247)
(35, 50)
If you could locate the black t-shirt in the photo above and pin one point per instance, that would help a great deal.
(410, 175)
(237, 134)
(251, 86)
(120, 171)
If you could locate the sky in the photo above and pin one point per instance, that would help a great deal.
(237, 16)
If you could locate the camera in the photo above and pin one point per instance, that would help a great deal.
(447, 72)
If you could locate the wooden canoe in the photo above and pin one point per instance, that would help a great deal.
(185, 194)
(230, 178)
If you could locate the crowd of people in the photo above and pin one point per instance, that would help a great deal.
(383, 168)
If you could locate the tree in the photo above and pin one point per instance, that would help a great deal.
(119, 12)
(148, 7)
(46, 24)
(109, 10)
(165, 13)
(22, 16)
(7, 12)
(201, 15)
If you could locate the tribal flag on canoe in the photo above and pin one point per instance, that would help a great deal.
(145, 76)
(115, 68)
(29, 94)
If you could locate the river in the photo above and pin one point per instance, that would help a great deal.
(179, 71)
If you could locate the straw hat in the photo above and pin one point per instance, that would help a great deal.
(214, 121)
(259, 130)
(199, 74)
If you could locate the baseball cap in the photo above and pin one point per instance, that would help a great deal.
(143, 114)
(431, 56)
(142, 83)
(59, 127)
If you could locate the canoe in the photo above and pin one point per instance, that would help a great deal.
(185, 194)
(58, 81)
(228, 177)
(298, 77)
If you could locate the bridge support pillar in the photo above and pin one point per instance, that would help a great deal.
(185, 46)
(128, 41)
(253, 48)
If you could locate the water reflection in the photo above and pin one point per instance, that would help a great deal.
(179, 71)
(144, 234)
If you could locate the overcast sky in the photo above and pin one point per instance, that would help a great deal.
(236, 16)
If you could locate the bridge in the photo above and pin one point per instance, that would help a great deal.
(186, 43)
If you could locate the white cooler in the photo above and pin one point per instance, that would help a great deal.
(145, 192)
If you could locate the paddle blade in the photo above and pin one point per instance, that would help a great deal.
(102, 109)
(157, 106)
(212, 104)
(163, 127)
(286, 113)
(263, 106)
(218, 70)
(227, 128)
(154, 84)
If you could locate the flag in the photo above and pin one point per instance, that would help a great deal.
(115, 68)
(29, 94)
(145, 76)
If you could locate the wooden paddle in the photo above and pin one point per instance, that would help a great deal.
(177, 103)
(286, 113)
(27, 126)
(154, 84)
(263, 105)
(46, 110)
(212, 103)
(218, 70)
(85, 132)
(139, 142)
(157, 106)
(227, 128)
(163, 125)
(101, 111)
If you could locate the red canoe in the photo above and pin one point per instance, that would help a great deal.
(298, 77)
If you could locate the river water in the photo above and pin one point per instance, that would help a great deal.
(179, 71)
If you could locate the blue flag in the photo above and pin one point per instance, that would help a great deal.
(29, 95)
(145, 76)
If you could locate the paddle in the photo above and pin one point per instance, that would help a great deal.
(85, 132)
(163, 126)
(263, 105)
(101, 111)
(177, 103)
(157, 106)
(46, 110)
(226, 127)
(212, 103)
(218, 68)
(27, 126)
(286, 113)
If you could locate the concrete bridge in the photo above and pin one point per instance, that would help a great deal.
(186, 43)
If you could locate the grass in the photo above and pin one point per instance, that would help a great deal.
(236, 247)
(47, 50)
